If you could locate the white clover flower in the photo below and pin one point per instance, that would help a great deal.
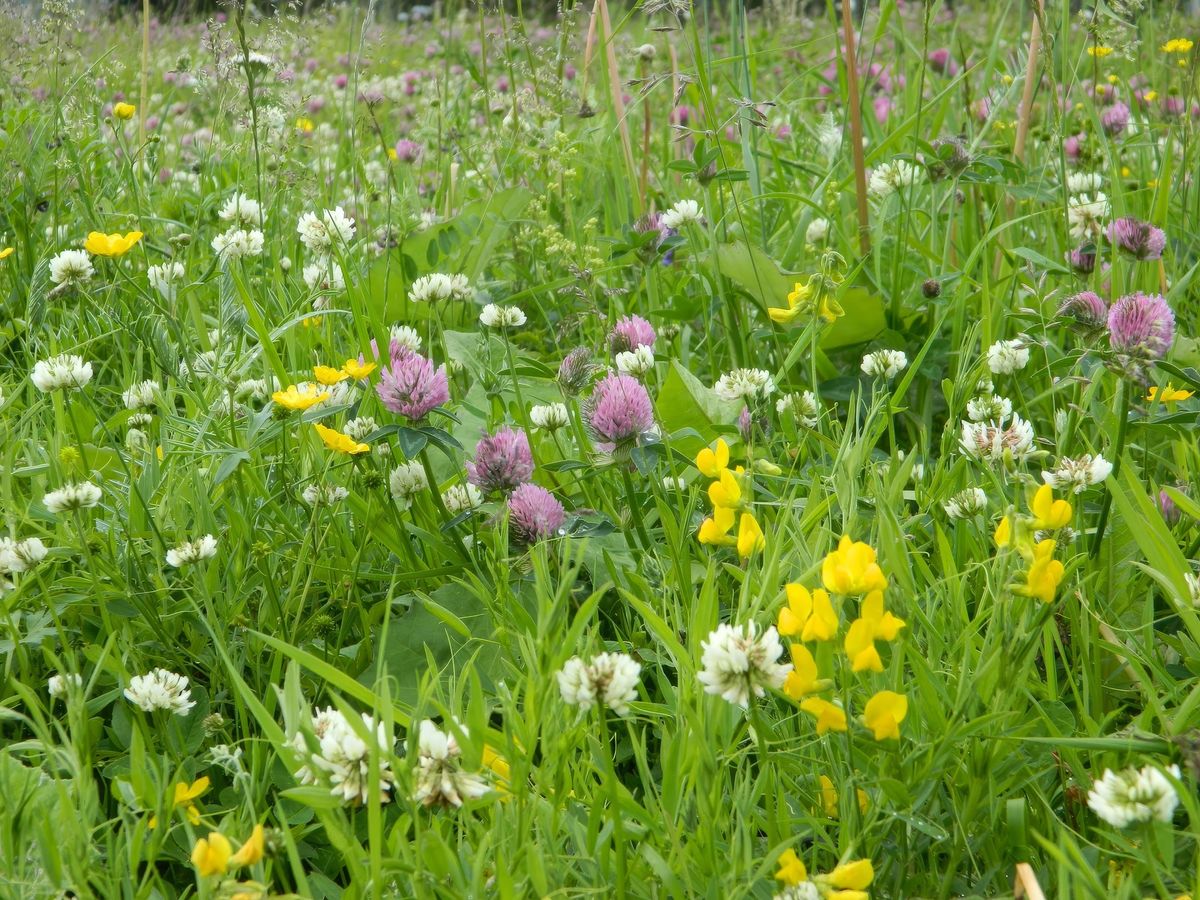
(738, 662)
(885, 364)
(817, 231)
(160, 689)
(254, 390)
(142, 395)
(285, 263)
(638, 361)
(891, 177)
(461, 497)
(62, 684)
(342, 759)
(71, 267)
(805, 890)
(549, 417)
(325, 275)
(324, 494)
(340, 394)
(989, 408)
(1006, 357)
(238, 243)
(966, 503)
(1078, 474)
(321, 235)
(993, 441)
(243, 212)
(494, 316)
(440, 779)
(84, 495)
(63, 371)
(405, 336)
(1124, 798)
(20, 556)
(1086, 214)
(164, 279)
(360, 427)
(803, 406)
(192, 551)
(682, 213)
(1084, 182)
(674, 483)
(745, 384)
(406, 481)
(609, 678)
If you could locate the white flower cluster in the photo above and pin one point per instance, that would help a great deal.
(682, 213)
(437, 286)
(406, 481)
(549, 417)
(243, 212)
(192, 551)
(19, 556)
(461, 497)
(995, 442)
(439, 776)
(1134, 795)
(737, 661)
(635, 362)
(803, 406)
(160, 689)
(1078, 474)
(320, 234)
(83, 495)
(1006, 357)
(891, 177)
(341, 757)
(164, 278)
(609, 678)
(63, 371)
(495, 316)
(885, 364)
(966, 503)
(405, 336)
(324, 494)
(71, 267)
(745, 384)
(238, 243)
(61, 685)
(1086, 214)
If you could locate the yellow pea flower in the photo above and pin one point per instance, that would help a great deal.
(1099, 52)
(186, 793)
(750, 536)
(829, 716)
(1003, 533)
(883, 714)
(252, 850)
(797, 303)
(358, 370)
(299, 398)
(124, 110)
(6, 252)
(1150, 96)
(851, 569)
(808, 614)
(211, 855)
(712, 463)
(829, 798)
(803, 677)
(1049, 513)
(1045, 573)
(726, 491)
(342, 443)
(1169, 394)
(715, 530)
(499, 766)
(856, 875)
(100, 244)
(791, 868)
(873, 622)
(328, 375)
(1176, 45)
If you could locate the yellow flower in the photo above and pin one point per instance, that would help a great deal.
(211, 855)
(1045, 573)
(327, 375)
(1113, 79)
(342, 443)
(299, 398)
(883, 714)
(750, 536)
(252, 850)
(1003, 533)
(803, 677)
(715, 530)
(712, 463)
(856, 875)
(6, 253)
(1006, 79)
(392, 154)
(499, 766)
(1099, 52)
(873, 622)
(796, 304)
(357, 370)
(851, 569)
(100, 244)
(1169, 394)
(829, 798)
(305, 126)
(186, 793)
(1177, 45)
(124, 110)
(808, 614)
(830, 716)
(791, 868)
(1150, 96)
(1049, 513)
(726, 491)
(1126, 171)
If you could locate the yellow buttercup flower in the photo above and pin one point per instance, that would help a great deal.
(1099, 52)
(808, 614)
(750, 536)
(328, 375)
(1048, 513)
(873, 622)
(299, 398)
(124, 110)
(851, 569)
(1045, 573)
(715, 530)
(358, 370)
(803, 677)
(342, 443)
(1150, 96)
(6, 252)
(211, 855)
(791, 868)
(1177, 45)
(726, 491)
(252, 850)
(100, 244)
(829, 716)
(1003, 533)
(883, 714)
(186, 793)
(1169, 394)
(712, 463)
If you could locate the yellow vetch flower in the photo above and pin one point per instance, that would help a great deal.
(6, 252)
(791, 868)
(1045, 573)
(499, 766)
(803, 677)
(796, 304)
(358, 370)
(750, 536)
(100, 244)
(211, 855)
(1169, 394)
(1177, 45)
(830, 716)
(856, 875)
(873, 622)
(1099, 52)
(342, 443)
(124, 110)
(851, 569)
(808, 614)
(715, 530)
(712, 463)
(252, 850)
(829, 798)
(299, 398)
(1003, 533)
(883, 714)
(186, 793)
(1049, 513)
(726, 491)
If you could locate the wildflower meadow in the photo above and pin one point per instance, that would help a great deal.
(659, 450)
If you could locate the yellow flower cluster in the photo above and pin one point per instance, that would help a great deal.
(351, 368)
(1099, 52)
(807, 299)
(1043, 572)
(184, 795)
(850, 570)
(848, 881)
(214, 854)
(729, 496)
(1177, 45)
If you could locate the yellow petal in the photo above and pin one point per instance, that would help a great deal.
(211, 855)
(252, 850)
(857, 875)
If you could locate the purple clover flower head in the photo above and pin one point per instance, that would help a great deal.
(1139, 239)
(1083, 259)
(1141, 325)
(1115, 119)
(503, 461)
(576, 371)
(942, 62)
(630, 333)
(410, 386)
(408, 151)
(1166, 506)
(619, 411)
(534, 514)
(1088, 310)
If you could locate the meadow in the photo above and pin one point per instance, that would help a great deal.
(643, 451)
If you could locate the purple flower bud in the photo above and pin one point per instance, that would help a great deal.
(502, 461)
(1139, 239)
(1115, 119)
(411, 386)
(1166, 506)
(619, 411)
(575, 371)
(534, 514)
(1141, 325)
(1087, 309)
(408, 151)
(630, 333)
(1083, 259)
